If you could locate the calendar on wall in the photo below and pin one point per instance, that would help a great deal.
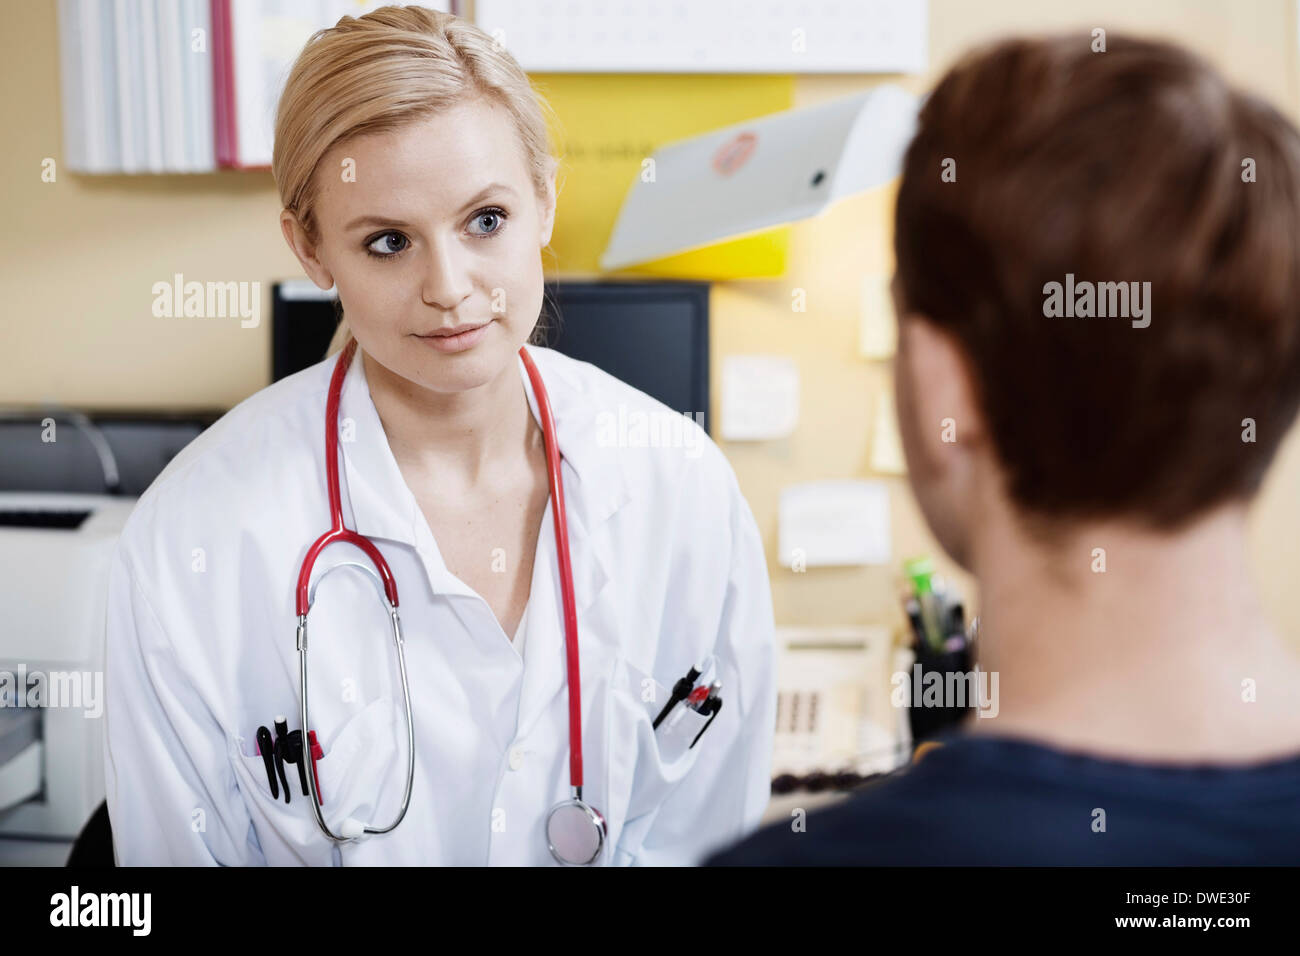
(711, 36)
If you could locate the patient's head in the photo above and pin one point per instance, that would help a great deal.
(1098, 285)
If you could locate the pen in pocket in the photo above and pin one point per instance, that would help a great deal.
(266, 748)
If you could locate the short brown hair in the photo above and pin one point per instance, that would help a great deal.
(1116, 166)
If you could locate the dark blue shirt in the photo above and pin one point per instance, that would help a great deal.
(1004, 802)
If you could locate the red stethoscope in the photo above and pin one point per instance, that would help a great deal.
(575, 831)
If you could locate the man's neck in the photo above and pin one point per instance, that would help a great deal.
(460, 436)
(1160, 653)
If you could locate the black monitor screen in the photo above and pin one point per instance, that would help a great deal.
(652, 335)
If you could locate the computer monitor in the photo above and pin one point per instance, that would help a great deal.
(652, 335)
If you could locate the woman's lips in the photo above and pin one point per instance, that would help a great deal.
(458, 342)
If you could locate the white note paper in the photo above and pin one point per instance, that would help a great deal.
(829, 523)
(760, 397)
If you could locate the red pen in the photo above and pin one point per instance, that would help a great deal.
(316, 754)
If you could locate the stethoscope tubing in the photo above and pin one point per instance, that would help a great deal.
(561, 522)
(339, 533)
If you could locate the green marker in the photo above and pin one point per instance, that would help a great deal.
(919, 571)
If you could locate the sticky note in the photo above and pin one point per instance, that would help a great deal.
(760, 397)
(877, 330)
(886, 446)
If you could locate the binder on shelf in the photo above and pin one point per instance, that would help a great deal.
(136, 86)
(181, 86)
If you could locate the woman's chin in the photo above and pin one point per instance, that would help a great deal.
(461, 371)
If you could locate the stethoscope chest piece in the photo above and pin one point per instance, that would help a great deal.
(575, 832)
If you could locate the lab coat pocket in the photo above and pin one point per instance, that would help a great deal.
(663, 755)
(355, 769)
(681, 729)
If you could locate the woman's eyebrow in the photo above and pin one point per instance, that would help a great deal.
(375, 220)
(385, 221)
(485, 192)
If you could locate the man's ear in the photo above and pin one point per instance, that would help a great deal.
(936, 392)
(305, 250)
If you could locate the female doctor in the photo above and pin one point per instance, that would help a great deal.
(413, 162)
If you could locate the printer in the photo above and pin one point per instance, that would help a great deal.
(54, 549)
(68, 481)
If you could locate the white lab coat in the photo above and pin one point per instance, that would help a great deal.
(668, 571)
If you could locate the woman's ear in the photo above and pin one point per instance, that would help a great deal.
(546, 207)
(305, 250)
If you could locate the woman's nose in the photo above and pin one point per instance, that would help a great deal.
(446, 280)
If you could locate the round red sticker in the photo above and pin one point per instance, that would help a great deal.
(734, 153)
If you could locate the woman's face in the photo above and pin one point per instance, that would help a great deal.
(431, 228)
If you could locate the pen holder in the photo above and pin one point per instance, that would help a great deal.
(925, 721)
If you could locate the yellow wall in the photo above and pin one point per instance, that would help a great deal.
(81, 255)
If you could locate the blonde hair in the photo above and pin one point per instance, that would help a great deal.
(382, 71)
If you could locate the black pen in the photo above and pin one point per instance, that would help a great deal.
(266, 747)
(281, 738)
(680, 691)
(295, 753)
(711, 707)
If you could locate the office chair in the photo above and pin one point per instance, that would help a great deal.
(94, 844)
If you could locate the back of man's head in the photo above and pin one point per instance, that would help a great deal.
(1050, 187)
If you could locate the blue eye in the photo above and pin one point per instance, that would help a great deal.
(485, 223)
(386, 249)
(491, 214)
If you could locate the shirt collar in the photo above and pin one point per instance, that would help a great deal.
(381, 504)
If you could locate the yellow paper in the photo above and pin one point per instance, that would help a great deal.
(609, 124)
(761, 255)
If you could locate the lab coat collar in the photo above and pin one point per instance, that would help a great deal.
(595, 486)
(374, 492)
